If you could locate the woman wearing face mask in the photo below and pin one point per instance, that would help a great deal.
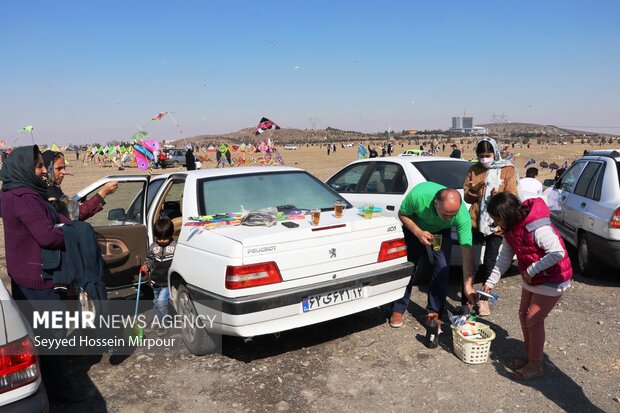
(55, 164)
(489, 176)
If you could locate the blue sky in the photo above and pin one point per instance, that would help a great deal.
(83, 71)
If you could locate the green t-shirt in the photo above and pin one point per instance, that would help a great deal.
(418, 205)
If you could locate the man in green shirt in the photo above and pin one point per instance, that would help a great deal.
(428, 210)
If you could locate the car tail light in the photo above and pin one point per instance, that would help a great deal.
(614, 222)
(18, 364)
(252, 275)
(393, 249)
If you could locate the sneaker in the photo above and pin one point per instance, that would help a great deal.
(396, 320)
(484, 308)
(432, 330)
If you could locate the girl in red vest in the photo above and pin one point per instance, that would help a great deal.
(544, 265)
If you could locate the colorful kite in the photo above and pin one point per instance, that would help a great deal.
(529, 162)
(28, 128)
(265, 124)
(159, 116)
(362, 153)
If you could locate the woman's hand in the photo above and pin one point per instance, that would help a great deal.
(486, 288)
(145, 269)
(108, 188)
(526, 277)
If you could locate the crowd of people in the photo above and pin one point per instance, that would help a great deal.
(496, 218)
(38, 217)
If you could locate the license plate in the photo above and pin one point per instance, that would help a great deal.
(318, 301)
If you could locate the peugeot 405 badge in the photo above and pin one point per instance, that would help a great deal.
(332, 253)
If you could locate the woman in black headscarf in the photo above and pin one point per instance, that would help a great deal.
(55, 164)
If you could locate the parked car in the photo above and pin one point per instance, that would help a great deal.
(264, 279)
(21, 388)
(174, 158)
(385, 181)
(585, 208)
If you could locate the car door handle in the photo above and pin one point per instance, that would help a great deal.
(389, 207)
(583, 204)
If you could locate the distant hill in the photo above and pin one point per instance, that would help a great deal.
(298, 136)
(282, 136)
(532, 128)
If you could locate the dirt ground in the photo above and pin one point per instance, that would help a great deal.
(358, 363)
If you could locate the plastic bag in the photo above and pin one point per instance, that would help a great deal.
(260, 217)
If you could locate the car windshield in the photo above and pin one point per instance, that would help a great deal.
(283, 190)
(450, 174)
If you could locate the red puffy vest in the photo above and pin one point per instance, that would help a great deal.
(521, 239)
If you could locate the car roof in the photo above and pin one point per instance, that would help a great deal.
(610, 153)
(216, 172)
(410, 159)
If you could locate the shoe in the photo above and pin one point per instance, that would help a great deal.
(396, 320)
(484, 308)
(432, 330)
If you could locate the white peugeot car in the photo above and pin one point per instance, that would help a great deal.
(264, 279)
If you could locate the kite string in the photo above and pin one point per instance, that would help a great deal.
(176, 124)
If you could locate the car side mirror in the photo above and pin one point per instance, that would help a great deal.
(549, 182)
(117, 214)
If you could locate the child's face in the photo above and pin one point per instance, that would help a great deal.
(498, 221)
(162, 242)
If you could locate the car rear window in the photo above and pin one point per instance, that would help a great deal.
(450, 174)
(287, 190)
(618, 168)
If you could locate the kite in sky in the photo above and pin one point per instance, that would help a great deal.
(159, 116)
(265, 124)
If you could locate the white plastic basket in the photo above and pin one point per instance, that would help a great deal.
(473, 350)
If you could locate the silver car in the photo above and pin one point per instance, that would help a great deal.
(585, 208)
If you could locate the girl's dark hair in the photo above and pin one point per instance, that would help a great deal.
(163, 228)
(508, 208)
(484, 147)
(36, 152)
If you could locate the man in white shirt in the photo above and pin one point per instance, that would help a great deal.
(530, 184)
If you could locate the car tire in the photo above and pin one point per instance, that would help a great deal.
(585, 259)
(175, 164)
(197, 340)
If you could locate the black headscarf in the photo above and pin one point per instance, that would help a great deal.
(18, 171)
(54, 194)
(53, 187)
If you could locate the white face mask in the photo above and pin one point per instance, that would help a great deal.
(486, 162)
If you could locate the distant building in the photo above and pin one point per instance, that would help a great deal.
(465, 124)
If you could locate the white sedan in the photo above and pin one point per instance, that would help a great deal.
(252, 279)
(385, 181)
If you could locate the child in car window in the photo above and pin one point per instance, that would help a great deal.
(158, 261)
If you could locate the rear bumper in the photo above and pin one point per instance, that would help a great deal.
(279, 311)
(36, 402)
(606, 250)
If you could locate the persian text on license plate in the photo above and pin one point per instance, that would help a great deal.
(315, 302)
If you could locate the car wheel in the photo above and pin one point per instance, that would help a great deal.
(196, 339)
(175, 164)
(585, 259)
